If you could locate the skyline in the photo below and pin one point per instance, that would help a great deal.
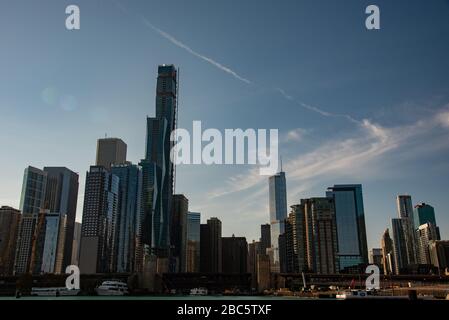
(372, 149)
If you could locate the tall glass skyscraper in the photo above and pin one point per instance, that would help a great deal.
(422, 214)
(61, 196)
(278, 213)
(158, 170)
(351, 229)
(405, 212)
(399, 245)
(98, 228)
(31, 202)
(127, 221)
(54, 241)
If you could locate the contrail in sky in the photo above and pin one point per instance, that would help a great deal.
(181, 45)
(228, 70)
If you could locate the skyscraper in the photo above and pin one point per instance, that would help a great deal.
(278, 213)
(31, 202)
(158, 170)
(76, 244)
(234, 255)
(321, 235)
(404, 206)
(211, 246)
(351, 229)
(426, 233)
(61, 197)
(405, 212)
(263, 272)
(127, 231)
(98, 228)
(296, 240)
(422, 214)
(178, 231)
(399, 245)
(265, 238)
(193, 242)
(253, 252)
(110, 151)
(387, 253)
(311, 237)
(53, 250)
(439, 254)
(9, 229)
(376, 257)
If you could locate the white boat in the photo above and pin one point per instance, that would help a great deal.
(54, 292)
(198, 292)
(112, 288)
(364, 294)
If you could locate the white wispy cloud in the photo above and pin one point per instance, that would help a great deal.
(358, 156)
(442, 118)
(295, 135)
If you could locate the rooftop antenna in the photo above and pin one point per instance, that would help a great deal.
(281, 163)
(105, 135)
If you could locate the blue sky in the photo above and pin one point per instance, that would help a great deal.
(60, 90)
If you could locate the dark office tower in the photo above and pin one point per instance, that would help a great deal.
(61, 196)
(283, 251)
(405, 212)
(253, 251)
(376, 257)
(263, 272)
(99, 213)
(278, 213)
(211, 246)
(158, 170)
(234, 255)
(31, 202)
(387, 253)
(399, 245)
(351, 229)
(193, 242)
(178, 232)
(9, 230)
(265, 238)
(110, 151)
(422, 214)
(295, 240)
(76, 244)
(404, 206)
(128, 250)
(425, 234)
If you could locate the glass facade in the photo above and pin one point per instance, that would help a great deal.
(423, 213)
(128, 215)
(351, 229)
(97, 250)
(53, 249)
(278, 213)
(399, 245)
(158, 170)
(33, 190)
(31, 202)
(61, 196)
